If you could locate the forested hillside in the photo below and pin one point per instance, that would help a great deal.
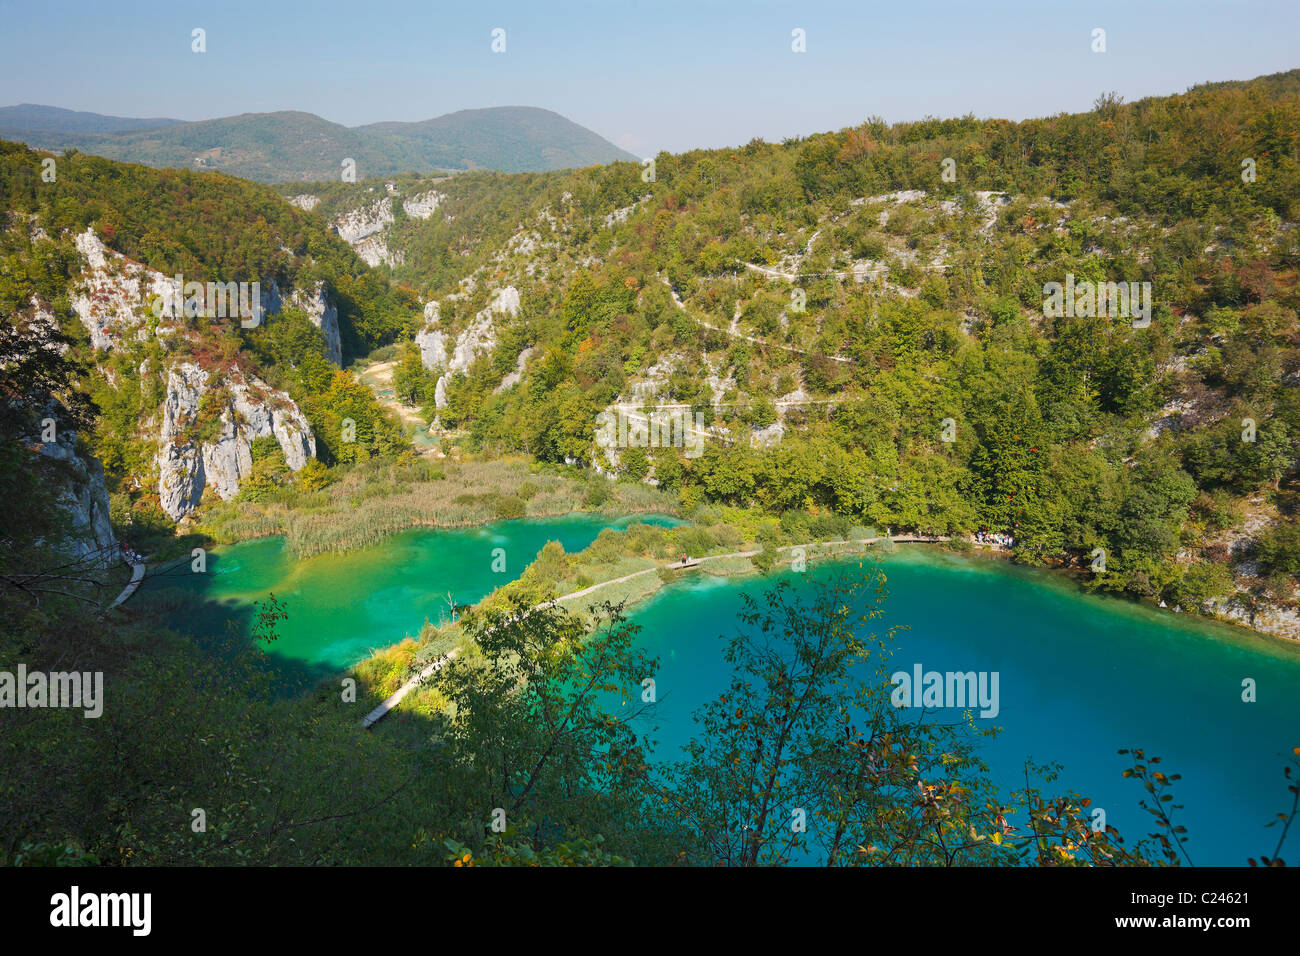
(866, 337)
(289, 144)
(84, 255)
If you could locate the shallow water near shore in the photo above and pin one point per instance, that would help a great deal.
(343, 606)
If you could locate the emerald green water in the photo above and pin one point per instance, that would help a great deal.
(1080, 677)
(343, 606)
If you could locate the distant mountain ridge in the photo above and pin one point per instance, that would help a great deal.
(292, 146)
(31, 117)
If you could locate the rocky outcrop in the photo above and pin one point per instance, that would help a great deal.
(1268, 618)
(305, 201)
(511, 379)
(187, 464)
(374, 251)
(362, 228)
(324, 315)
(83, 494)
(433, 348)
(423, 205)
(478, 337)
(369, 219)
(431, 341)
(320, 310)
(114, 296)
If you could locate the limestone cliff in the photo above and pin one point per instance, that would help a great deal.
(248, 409)
(320, 310)
(477, 338)
(115, 297)
(431, 341)
(365, 221)
(423, 205)
(83, 494)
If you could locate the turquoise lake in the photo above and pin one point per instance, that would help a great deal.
(1080, 677)
(343, 606)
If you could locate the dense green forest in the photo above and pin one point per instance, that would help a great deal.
(1072, 433)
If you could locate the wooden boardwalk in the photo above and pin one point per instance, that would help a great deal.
(380, 712)
(137, 576)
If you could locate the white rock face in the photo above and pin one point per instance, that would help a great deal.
(1271, 619)
(114, 295)
(83, 494)
(374, 251)
(653, 379)
(423, 205)
(305, 201)
(506, 302)
(620, 215)
(768, 437)
(255, 410)
(365, 221)
(433, 348)
(440, 393)
(324, 315)
(478, 337)
(513, 378)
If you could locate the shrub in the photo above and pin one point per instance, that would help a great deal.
(508, 507)
(636, 464)
(313, 476)
(597, 493)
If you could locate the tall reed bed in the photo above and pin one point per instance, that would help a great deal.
(373, 500)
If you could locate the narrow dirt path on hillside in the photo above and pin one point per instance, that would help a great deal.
(379, 379)
(677, 301)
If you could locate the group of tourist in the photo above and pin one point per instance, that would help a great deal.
(996, 538)
(130, 557)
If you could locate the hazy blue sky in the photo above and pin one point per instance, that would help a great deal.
(647, 75)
